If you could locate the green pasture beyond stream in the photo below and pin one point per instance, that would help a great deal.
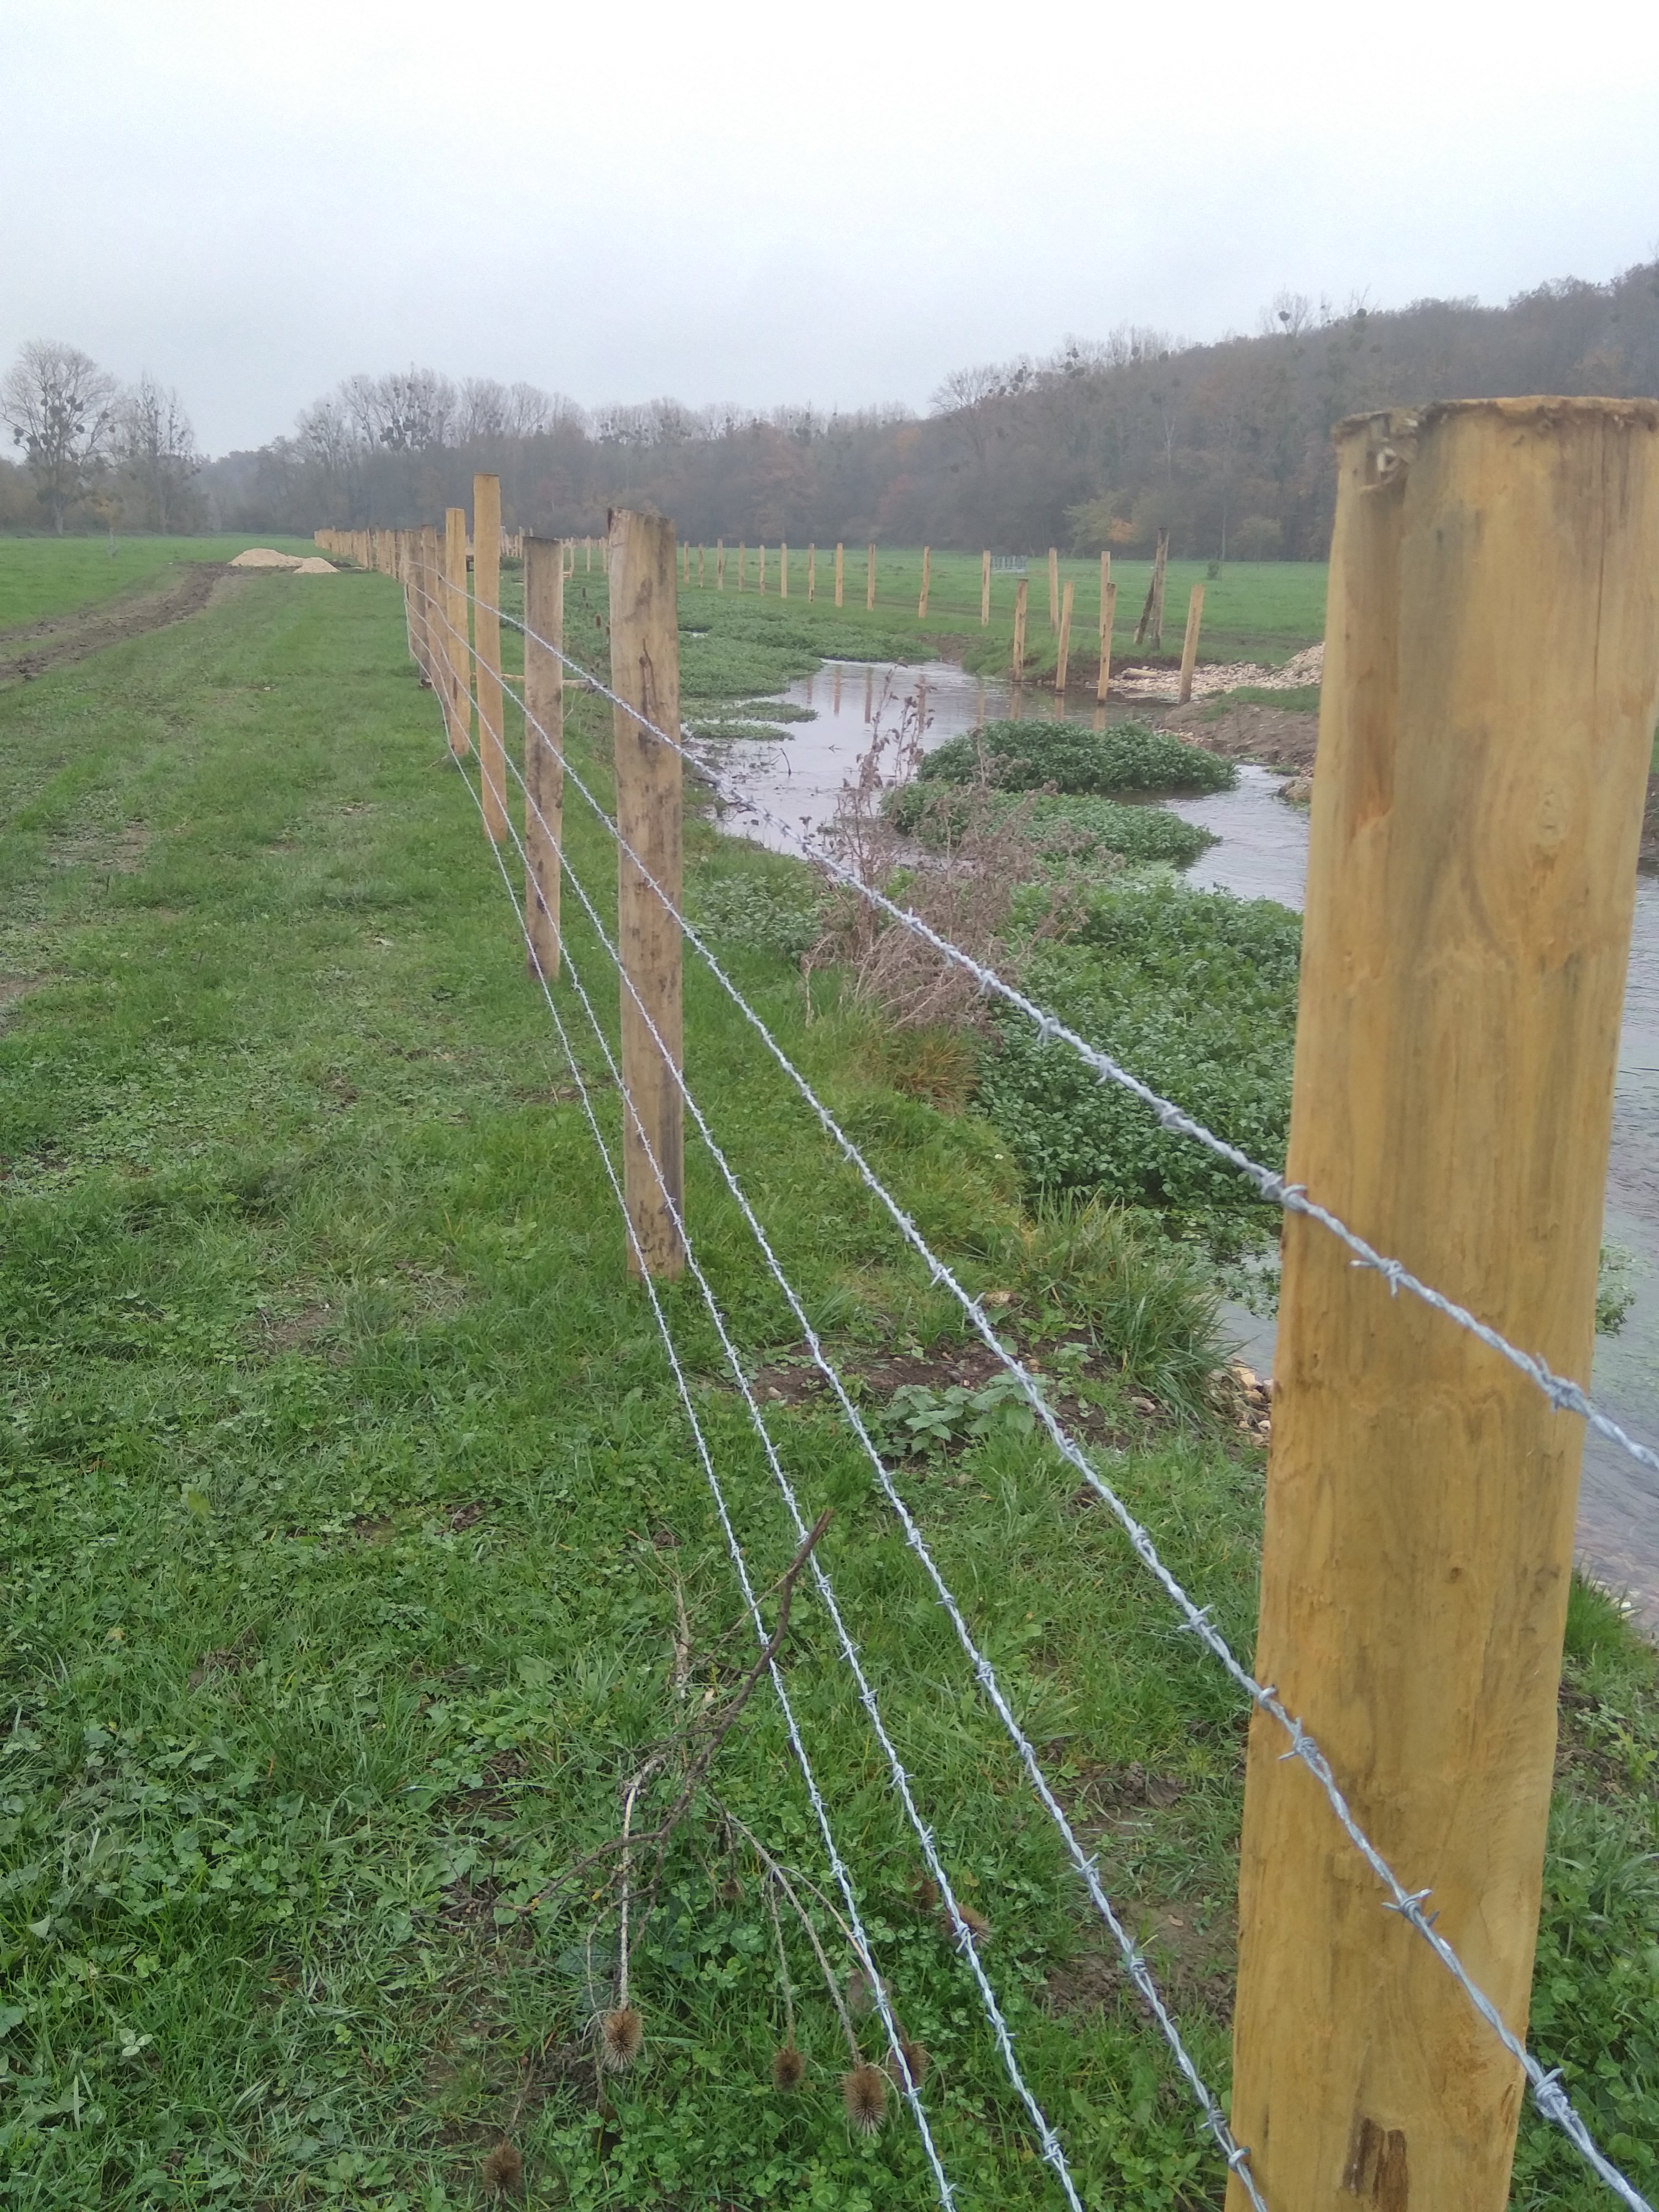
(352, 1542)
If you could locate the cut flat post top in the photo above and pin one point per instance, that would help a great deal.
(1189, 643)
(644, 670)
(544, 748)
(487, 648)
(1491, 674)
(457, 651)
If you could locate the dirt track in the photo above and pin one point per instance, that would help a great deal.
(29, 651)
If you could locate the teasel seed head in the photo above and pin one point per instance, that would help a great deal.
(913, 2063)
(503, 2170)
(927, 1894)
(622, 2039)
(864, 2093)
(788, 2068)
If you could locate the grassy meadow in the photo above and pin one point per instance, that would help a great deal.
(354, 1552)
(40, 577)
(1261, 611)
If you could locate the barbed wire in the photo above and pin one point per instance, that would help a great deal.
(1564, 1395)
(837, 1864)
(1548, 2094)
(1051, 2151)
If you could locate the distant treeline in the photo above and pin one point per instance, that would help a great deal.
(1227, 445)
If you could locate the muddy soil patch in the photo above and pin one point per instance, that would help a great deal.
(34, 650)
(1277, 737)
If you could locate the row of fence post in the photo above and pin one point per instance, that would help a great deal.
(378, 549)
(1491, 687)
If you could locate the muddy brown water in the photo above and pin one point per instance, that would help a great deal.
(1263, 855)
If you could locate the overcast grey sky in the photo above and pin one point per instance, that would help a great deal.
(747, 200)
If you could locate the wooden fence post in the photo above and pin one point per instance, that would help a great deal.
(644, 670)
(1063, 650)
(761, 584)
(702, 551)
(432, 583)
(720, 564)
(1491, 682)
(1189, 643)
(1022, 597)
(985, 590)
(1107, 623)
(812, 573)
(841, 563)
(783, 570)
(1054, 588)
(870, 577)
(544, 749)
(458, 652)
(926, 578)
(1150, 625)
(487, 649)
(743, 565)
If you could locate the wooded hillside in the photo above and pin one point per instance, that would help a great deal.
(1101, 444)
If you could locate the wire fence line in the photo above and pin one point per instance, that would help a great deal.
(832, 1851)
(1564, 1395)
(1548, 2094)
(1134, 1960)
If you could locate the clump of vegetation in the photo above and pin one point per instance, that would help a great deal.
(970, 902)
(1065, 827)
(1070, 756)
(1151, 1306)
(724, 730)
(1196, 991)
(759, 913)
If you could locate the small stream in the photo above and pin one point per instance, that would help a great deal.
(1263, 853)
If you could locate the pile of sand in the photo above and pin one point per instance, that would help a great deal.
(264, 556)
(315, 566)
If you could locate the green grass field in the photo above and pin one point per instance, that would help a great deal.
(1259, 610)
(350, 1534)
(40, 577)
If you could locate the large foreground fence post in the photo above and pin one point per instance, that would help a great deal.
(644, 670)
(1490, 680)
(543, 747)
(487, 649)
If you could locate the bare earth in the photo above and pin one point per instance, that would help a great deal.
(1276, 736)
(29, 651)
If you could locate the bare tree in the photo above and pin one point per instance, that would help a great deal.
(155, 443)
(484, 412)
(59, 406)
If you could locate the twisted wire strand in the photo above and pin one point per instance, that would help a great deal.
(1564, 1395)
(837, 1864)
(1548, 2094)
(1134, 1959)
(1053, 2152)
